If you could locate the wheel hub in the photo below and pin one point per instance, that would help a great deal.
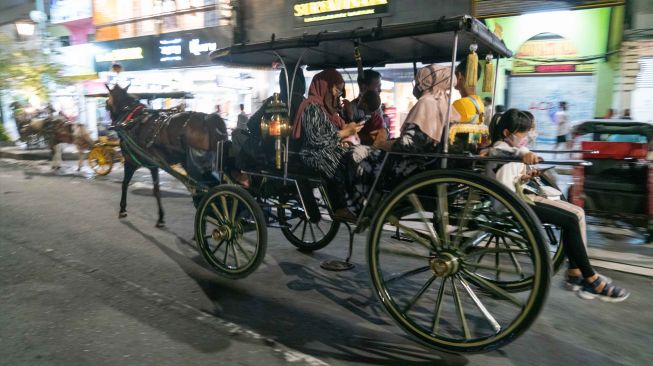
(444, 265)
(221, 233)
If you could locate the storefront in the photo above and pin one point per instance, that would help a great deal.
(179, 62)
(559, 56)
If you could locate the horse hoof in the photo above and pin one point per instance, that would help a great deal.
(122, 215)
(160, 224)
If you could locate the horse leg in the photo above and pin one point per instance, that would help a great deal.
(80, 156)
(56, 156)
(130, 168)
(157, 195)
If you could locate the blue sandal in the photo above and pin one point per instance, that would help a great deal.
(575, 283)
(610, 292)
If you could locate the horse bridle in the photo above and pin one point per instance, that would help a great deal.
(127, 113)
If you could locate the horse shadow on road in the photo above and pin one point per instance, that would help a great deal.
(304, 325)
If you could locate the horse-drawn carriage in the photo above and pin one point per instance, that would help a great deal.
(458, 260)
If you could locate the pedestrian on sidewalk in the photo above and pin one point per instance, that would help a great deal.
(561, 119)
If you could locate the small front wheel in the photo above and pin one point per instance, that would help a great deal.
(307, 236)
(230, 231)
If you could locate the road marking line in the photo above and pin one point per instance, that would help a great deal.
(169, 303)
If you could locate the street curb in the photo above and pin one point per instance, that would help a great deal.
(17, 153)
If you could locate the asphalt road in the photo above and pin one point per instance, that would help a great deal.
(78, 286)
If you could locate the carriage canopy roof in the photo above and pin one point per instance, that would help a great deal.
(149, 96)
(616, 128)
(426, 42)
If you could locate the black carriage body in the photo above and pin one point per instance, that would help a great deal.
(455, 228)
(618, 184)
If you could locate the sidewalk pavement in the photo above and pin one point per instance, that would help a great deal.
(21, 153)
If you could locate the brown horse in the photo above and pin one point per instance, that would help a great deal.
(52, 129)
(160, 139)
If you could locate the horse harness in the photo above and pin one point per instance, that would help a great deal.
(157, 118)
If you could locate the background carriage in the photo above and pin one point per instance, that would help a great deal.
(458, 261)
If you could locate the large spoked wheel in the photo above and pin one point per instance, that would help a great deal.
(100, 160)
(230, 231)
(307, 236)
(441, 278)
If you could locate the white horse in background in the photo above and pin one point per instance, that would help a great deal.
(82, 140)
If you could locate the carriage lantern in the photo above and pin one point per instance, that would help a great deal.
(275, 123)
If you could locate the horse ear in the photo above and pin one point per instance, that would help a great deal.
(107, 86)
(127, 87)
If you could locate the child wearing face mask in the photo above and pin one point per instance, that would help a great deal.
(509, 134)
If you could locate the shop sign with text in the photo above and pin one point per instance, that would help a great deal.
(307, 12)
(190, 49)
(548, 53)
(184, 49)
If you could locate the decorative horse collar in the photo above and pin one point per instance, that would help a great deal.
(127, 121)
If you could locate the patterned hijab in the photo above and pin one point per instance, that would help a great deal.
(320, 86)
(430, 111)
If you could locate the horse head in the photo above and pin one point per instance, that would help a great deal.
(119, 101)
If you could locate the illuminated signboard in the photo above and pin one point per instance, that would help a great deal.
(185, 50)
(120, 54)
(548, 53)
(181, 49)
(338, 10)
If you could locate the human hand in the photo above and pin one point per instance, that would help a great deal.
(379, 136)
(531, 158)
(350, 129)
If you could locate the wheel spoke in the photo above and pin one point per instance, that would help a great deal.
(443, 208)
(412, 272)
(495, 325)
(495, 250)
(216, 212)
(419, 294)
(494, 289)
(247, 256)
(310, 226)
(410, 232)
(489, 241)
(496, 268)
(217, 246)
(225, 208)
(296, 226)
(304, 230)
(319, 228)
(233, 249)
(438, 303)
(506, 234)
(226, 253)
(474, 241)
(403, 253)
(513, 259)
(234, 208)
(462, 222)
(460, 310)
(212, 221)
(414, 200)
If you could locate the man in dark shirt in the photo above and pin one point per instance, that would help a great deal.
(373, 130)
